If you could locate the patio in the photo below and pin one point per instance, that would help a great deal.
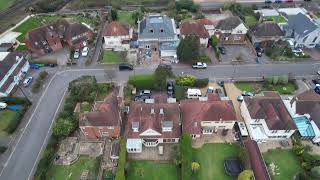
(152, 153)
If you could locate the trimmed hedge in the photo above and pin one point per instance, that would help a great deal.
(144, 81)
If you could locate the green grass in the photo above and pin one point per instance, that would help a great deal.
(147, 170)
(57, 172)
(250, 20)
(257, 87)
(112, 57)
(277, 19)
(85, 107)
(126, 17)
(4, 4)
(211, 158)
(286, 162)
(143, 81)
(6, 118)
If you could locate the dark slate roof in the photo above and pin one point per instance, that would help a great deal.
(229, 23)
(162, 27)
(267, 29)
(301, 24)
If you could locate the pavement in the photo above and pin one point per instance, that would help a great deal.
(21, 159)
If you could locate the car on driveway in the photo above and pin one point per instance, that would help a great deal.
(27, 81)
(76, 54)
(222, 50)
(85, 51)
(199, 65)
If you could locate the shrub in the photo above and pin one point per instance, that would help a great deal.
(145, 81)
(187, 80)
(200, 83)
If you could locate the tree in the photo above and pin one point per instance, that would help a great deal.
(63, 127)
(195, 166)
(114, 14)
(188, 49)
(245, 175)
(214, 41)
(161, 74)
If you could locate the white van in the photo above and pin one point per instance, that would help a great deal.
(193, 93)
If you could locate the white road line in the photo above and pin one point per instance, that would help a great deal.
(45, 140)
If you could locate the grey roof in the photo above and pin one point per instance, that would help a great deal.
(167, 124)
(267, 29)
(301, 24)
(229, 23)
(156, 26)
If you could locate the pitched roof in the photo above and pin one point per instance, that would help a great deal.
(256, 161)
(267, 29)
(194, 28)
(116, 28)
(148, 116)
(301, 24)
(156, 26)
(308, 102)
(229, 23)
(195, 111)
(271, 108)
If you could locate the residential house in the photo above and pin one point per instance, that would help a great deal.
(305, 110)
(206, 116)
(116, 36)
(203, 28)
(103, 121)
(151, 124)
(13, 67)
(303, 30)
(265, 34)
(155, 30)
(47, 39)
(257, 163)
(231, 30)
(266, 117)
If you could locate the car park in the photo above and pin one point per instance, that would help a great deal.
(125, 66)
(222, 50)
(85, 51)
(170, 88)
(246, 93)
(76, 54)
(199, 65)
(27, 81)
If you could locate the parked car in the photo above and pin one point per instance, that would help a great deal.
(76, 54)
(27, 81)
(85, 51)
(170, 88)
(125, 66)
(246, 93)
(222, 50)
(165, 66)
(199, 65)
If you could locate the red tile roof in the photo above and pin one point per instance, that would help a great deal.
(141, 113)
(116, 28)
(194, 28)
(271, 108)
(195, 111)
(257, 164)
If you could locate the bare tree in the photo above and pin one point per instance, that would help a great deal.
(110, 74)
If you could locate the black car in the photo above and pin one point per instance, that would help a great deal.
(124, 66)
(170, 88)
(222, 50)
(167, 66)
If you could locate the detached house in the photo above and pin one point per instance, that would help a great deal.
(116, 36)
(158, 34)
(267, 118)
(103, 121)
(265, 33)
(152, 124)
(13, 67)
(231, 31)
(303, 30)
(206, 117)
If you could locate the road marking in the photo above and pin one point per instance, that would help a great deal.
(33, 113)
(46, 138)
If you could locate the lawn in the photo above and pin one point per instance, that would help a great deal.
(277, 19)
(211, 158)
(57, 172)
(257, 87)
(126, 17)
(250, 20)
(140, 170)
(286, 162)
(112, 57)
(143, 81)
(6, 118)
(4, 4)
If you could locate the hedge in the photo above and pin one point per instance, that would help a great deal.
(144, 81)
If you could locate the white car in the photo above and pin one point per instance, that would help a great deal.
(85, 51)
(27, 81)
(76, 54)
(199, 65)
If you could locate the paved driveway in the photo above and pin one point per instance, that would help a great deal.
(234, 51)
